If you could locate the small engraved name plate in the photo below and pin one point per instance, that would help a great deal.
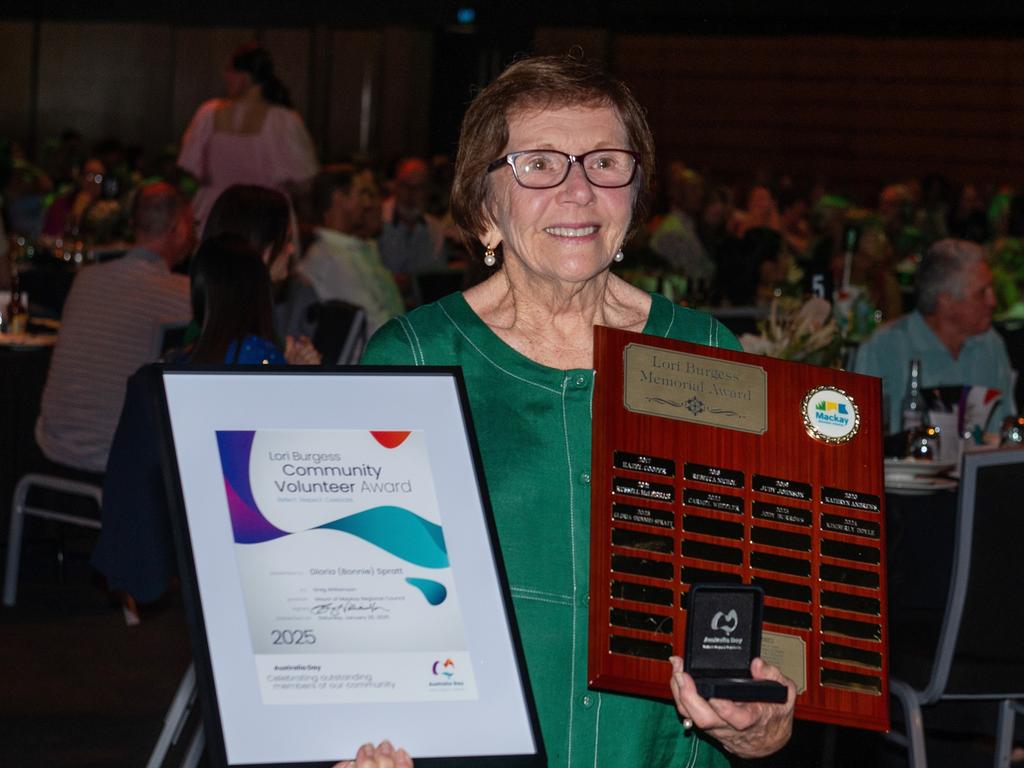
(709, 500)
(642, 489)
(702, 473)
(652, 465)
(851, 499)
(850, 526)
(791, 489)
(628, 513)
(780, 513)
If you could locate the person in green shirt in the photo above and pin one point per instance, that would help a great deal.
(551, 177)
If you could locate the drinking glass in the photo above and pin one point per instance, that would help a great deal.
(1013, 431)
(924, 443)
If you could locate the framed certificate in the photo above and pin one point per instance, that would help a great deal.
(340, 567)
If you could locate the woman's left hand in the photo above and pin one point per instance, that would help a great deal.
(300, 351)
(745, 728)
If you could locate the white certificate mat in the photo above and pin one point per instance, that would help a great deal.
(340, 568)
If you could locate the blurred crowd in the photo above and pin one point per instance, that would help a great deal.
(766, 234)
(743, 244)
(342, 247)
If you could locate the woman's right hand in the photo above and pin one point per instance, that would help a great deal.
(382, 756)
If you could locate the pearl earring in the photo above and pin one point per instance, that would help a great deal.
(619, 255)
(489, 258)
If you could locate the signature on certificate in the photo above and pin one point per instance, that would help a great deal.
(336, 608)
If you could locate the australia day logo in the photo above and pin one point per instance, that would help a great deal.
(444, 668)
(443, 676)
(830, 415)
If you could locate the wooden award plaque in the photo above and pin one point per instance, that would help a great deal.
(713, 466)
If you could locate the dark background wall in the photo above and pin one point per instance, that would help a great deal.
(861, 96)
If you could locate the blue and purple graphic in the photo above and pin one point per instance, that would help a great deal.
(395, 530)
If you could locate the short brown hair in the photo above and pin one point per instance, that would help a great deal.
(540, 83)
(331, 177)
(156, 209)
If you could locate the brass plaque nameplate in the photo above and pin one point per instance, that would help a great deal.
(678, 385)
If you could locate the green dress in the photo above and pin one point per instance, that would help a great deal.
(533, 427)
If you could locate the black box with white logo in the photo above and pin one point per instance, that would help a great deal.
(723, 636)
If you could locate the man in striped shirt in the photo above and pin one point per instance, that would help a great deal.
(111, 325)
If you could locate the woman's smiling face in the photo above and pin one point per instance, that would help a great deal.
(570, 232)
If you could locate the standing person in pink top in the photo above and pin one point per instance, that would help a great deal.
(253, 136)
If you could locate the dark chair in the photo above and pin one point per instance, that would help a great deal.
(980, 653)
(341, 331)
(1013, 335)
(22, 508)
(169, 337)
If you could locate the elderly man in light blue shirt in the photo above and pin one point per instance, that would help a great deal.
(950, 333)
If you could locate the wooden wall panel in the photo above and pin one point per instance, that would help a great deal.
(404, 94)
(16, 66)
(199, 56)
(594, 43)
(353, 91)
(291, 51)
(860, 111)
(105, 80)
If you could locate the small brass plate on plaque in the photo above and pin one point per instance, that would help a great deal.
(788, 653)
(678, 385)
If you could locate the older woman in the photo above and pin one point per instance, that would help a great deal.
(551, 175)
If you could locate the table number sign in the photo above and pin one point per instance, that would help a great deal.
(720, 467)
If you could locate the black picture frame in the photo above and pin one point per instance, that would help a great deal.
(210, 700)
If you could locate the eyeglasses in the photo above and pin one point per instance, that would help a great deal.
(547, 168)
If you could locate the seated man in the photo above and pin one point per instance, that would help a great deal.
(411, 240)
(111, 325)
(676, 240)
(340, 264)
(950, 332)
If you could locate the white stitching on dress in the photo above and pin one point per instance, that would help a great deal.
(416, 340)
(485, 357)
(694, 744)
(403, 324)
(541, 592)
(671, 322)
(572, 552)
(563, 603)
(597, 728)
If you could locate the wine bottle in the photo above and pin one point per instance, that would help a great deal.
(912, 411)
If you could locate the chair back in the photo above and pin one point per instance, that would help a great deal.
(341, 332)
(167, 337)
(981, 644)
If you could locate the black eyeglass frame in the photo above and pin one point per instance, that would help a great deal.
(510, 160)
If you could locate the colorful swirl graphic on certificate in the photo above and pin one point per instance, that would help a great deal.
(342, 557)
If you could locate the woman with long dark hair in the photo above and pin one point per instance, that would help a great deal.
(263, 218)
(253, 136)
(232, 305)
